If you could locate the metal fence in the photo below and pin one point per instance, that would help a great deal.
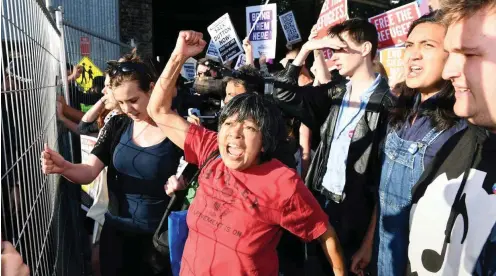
(30, 82)
(40, 214)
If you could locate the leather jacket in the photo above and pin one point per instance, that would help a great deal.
(318, 108)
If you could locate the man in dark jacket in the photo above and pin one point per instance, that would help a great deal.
(453, 217)
(345, 171)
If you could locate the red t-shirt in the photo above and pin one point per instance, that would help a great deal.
(236, 218)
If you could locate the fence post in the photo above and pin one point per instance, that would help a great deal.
(63, 68)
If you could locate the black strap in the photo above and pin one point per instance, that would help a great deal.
(178, 197)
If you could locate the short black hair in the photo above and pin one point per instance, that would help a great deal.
(266, 115)
(250, 77)
(359, 30)
(433, 17)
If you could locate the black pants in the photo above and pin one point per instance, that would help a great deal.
(124, 253)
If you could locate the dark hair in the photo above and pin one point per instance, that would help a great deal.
(98, 84)
(359, 30)
(433, 17)
(441, 114)
(249, 77)
(139, 72)
(266, 115)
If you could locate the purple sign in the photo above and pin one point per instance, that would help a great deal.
(263, 28)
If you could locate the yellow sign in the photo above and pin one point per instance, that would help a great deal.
(392, 59)
(88, 73)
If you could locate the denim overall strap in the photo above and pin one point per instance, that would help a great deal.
(402, 167)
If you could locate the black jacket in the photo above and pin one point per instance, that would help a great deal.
(318, 107)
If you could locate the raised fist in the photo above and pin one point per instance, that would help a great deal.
(189, 43)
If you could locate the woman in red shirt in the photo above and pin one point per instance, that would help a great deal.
(245, 197)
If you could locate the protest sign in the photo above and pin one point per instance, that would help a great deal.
(225, 38)
(240, 62)
(189, 69)
(288, 23)
(264, 35)
(392, 59)
(212, 52)
(87, 145)
(392, 26)
(332, 13)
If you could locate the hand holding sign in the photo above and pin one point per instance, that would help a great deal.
(189, 43)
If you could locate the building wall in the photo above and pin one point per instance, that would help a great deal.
(136, 23)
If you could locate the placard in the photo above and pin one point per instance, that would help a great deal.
(225, 38)
(240, 62)
(290, 28)
(189, 69)
(392, 26)
(392, 59)
(264, 35)
(212, 52)
(333, 12)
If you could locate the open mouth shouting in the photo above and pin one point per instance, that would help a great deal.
(414, 71)
(234, 151)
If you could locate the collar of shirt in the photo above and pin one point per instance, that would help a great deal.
(364, 98)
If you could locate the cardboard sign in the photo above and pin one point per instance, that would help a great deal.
(240, 62)
(189, 69)
(392, 26)
(212, 52)
(288, 23)
(392, 59)
(333, 12)
(225, 38)
(90, 71)
(85, 46)
(264, 35)
(87, 145)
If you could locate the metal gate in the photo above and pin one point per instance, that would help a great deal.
(41, 215)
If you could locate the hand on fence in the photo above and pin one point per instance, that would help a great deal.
(12, 264)
(60, 110)
(174, 184)
(52, 162)
(189, 43)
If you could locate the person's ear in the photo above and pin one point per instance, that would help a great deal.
(152, 85)
(366, 48)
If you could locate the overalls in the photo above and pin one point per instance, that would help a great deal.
(402, 167)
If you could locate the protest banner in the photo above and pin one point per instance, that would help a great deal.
(288, 23)
(225, 38)
(189, 69)
(392, 59)
(392, 26)
(240, 62)
(264, 34)
(212, 52)
(332, 13)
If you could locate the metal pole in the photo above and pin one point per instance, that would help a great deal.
(63, 68)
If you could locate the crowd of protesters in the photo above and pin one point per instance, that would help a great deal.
(303, 170)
